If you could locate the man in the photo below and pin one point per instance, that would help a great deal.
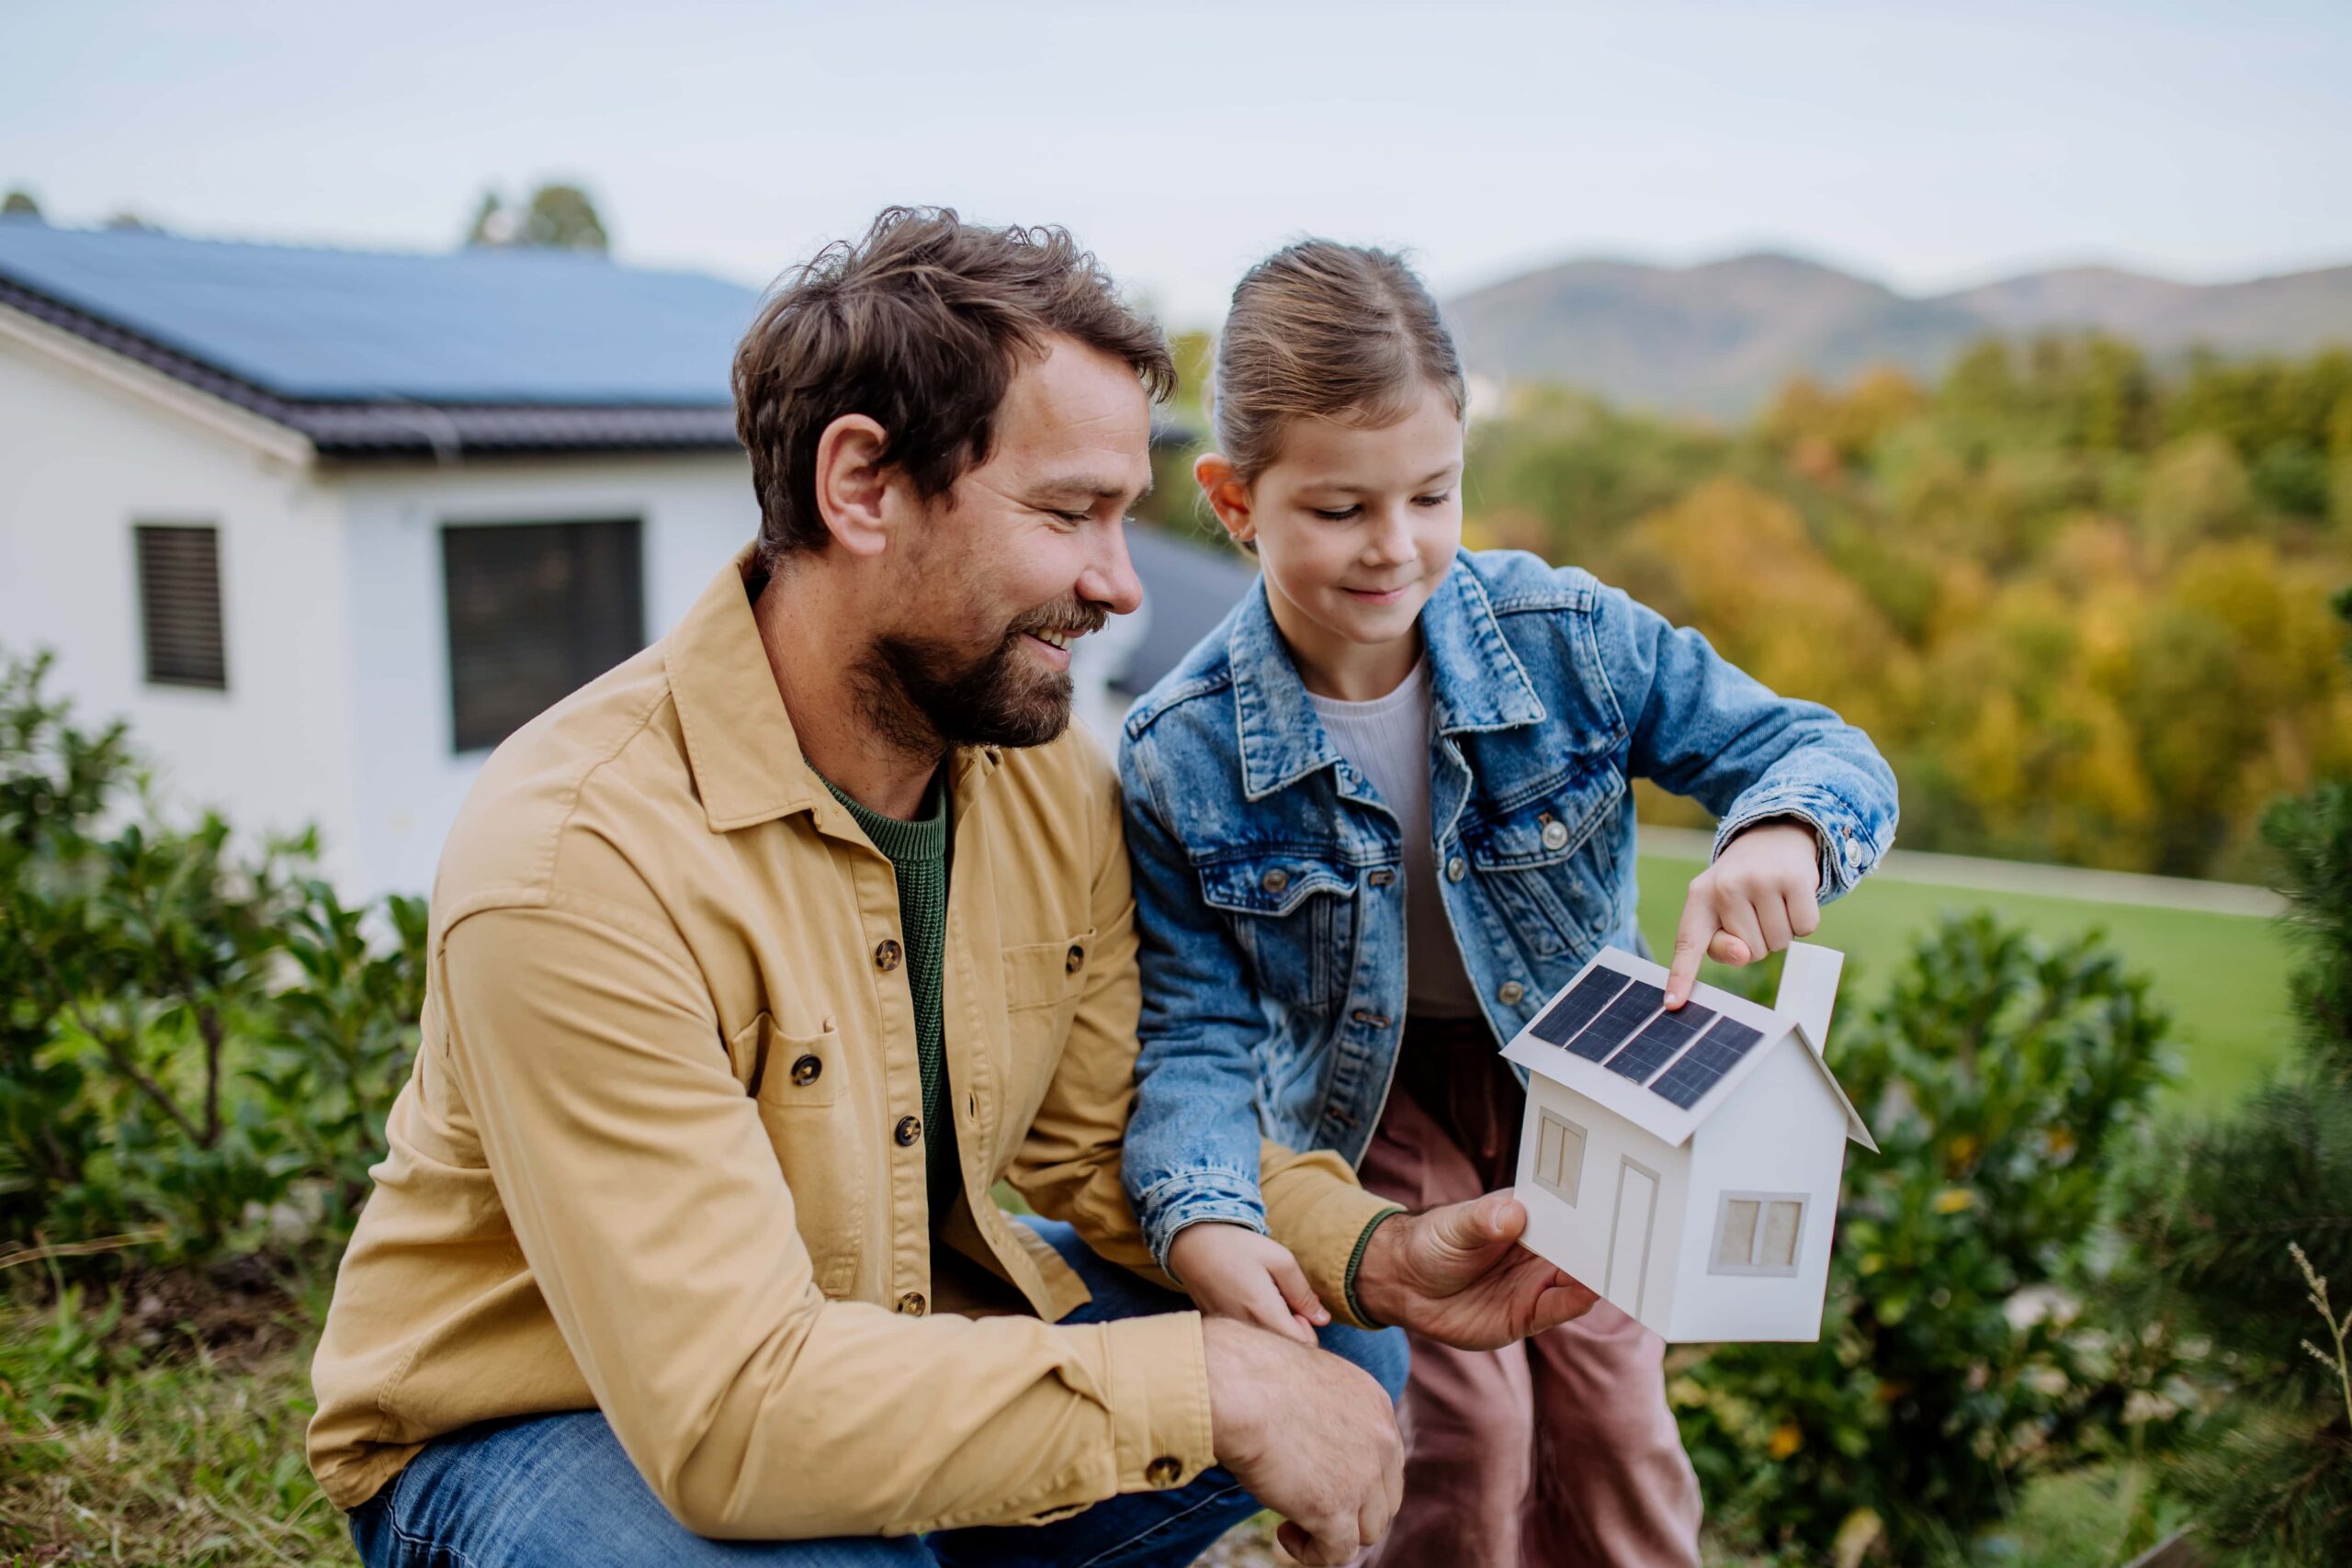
(757, 962)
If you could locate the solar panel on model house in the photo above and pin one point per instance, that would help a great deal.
(1620, 1022)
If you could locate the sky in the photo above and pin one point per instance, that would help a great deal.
(1931, 147)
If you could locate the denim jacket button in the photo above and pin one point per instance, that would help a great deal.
(1508, 993)
(1275, 880)
(1456, 869)
(1382, 877)
(1555, 834)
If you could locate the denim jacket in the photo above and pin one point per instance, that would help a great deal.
(1268, 875)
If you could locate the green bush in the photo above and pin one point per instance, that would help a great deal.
(200, 1041)
(1958, 1359)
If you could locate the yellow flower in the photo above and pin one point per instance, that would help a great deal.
(1786, 1439)
(1954, 1200)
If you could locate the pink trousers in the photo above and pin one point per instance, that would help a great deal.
(1557, 1452)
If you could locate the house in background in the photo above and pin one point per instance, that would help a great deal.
(1685, 1165)
(326, 526)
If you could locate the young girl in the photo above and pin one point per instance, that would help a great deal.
(1377, 817)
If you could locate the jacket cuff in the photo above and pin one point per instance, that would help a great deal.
(1846, 850)
(1160, 1434)
(1193, 1199)
(1316, 1209)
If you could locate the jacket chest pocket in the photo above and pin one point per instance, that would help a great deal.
(1043, 981)
(795, 1082)
(1550, 863)
(1295, 915)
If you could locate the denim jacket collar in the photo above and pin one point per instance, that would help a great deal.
(1283, 741)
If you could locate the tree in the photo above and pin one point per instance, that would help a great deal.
(19, 202)
(2241, 1220)
(558, 216)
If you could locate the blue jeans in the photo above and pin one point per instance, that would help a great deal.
(557, 1491)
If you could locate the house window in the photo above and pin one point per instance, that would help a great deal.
(537, 610)
(179, 605)
(1559, 1156)
(1758, 1233)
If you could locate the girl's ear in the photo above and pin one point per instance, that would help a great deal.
(1228, 496)
(853, 485)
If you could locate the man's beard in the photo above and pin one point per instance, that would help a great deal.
(924, 692)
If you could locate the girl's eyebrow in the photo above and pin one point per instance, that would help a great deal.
(1343, 488)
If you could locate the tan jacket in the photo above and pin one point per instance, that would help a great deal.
(660, 1152)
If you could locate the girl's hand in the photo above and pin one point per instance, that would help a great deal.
(1755, 898)
(1232, 1272)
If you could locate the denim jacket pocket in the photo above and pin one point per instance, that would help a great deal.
(1293, 913)
(1548, 863)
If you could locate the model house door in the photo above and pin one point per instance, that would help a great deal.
(1629, 1234)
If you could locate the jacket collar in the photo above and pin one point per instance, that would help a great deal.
(739, 741)
(1477, 683)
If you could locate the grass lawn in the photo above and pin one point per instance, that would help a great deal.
(2223, 976)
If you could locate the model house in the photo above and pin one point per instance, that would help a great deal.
(326, 526)
(1685, 1165)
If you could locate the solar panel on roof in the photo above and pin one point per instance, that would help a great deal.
(1577, 1005)
(1618, 1021)
(1703, 1065)
(1657, 1044)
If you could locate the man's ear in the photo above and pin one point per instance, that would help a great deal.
(853, 485)
(1228, 496)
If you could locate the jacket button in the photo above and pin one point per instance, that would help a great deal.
(1163, 1470)
(1075, 959)
(1456, 869)
(910, 1129)
(1555, 834)
(1508, 993)
(912, 1303)
(886, 954)
(805, 1071)
(1382, 877)
(1275, 880)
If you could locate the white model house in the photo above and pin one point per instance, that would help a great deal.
(325, 526)
(1685, 1165)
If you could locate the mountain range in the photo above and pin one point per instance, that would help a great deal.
(1720, 338)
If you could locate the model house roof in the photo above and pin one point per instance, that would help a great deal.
(1608, 1037)
(379, 354)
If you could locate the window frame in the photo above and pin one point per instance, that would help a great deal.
(1754, 1269)
(469, 734)
(144, 534)
(1567, 1184)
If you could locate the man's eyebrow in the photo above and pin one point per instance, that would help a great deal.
(1089, 487)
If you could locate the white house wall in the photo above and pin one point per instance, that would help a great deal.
(1780, 1131)
(85, 454)
(696, 512)
(1578, 1239)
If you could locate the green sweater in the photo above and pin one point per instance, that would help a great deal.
(918, 852)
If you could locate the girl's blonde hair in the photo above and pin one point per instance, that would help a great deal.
(1325, 331)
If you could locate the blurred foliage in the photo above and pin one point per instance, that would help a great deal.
(199, 1041)
(555, 217)
(2078, 600)
(1962, 1352)
(2241, 1222)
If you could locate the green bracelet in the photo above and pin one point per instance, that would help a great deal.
(1355, 1261)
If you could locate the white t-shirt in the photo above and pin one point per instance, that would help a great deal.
(1388, 739)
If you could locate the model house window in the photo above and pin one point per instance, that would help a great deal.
(1559, 1154)
(1758, 1233)
(179, 605)
(537, 610)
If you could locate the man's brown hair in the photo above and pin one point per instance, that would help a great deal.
(920, 326)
